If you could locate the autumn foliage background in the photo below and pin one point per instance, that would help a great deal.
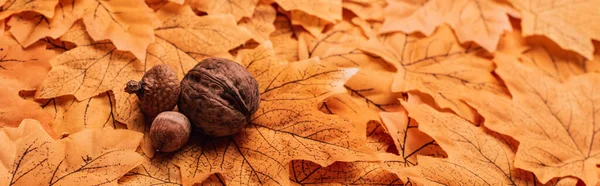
(353, 92)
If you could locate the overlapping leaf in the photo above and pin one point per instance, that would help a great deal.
(341, 173)
(44, 7)
(237, 8)
(31, 157)
(328, 10)
(545, 115)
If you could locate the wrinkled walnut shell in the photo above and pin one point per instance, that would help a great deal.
(219, 96)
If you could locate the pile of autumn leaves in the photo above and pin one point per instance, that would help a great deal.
(353, 92)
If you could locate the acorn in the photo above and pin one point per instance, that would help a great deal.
(158, 90)
(219, 96)
(170, 130)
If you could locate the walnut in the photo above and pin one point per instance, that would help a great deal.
(219, 96)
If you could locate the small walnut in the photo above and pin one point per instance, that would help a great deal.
(158, 90)
(218, 96)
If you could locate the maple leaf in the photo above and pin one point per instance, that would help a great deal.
(32, 157)
(71, 116)
(286, 127)
(22, 70)
(312, 24)
(476, 156)
(153, 171)
(342, 173)
(555, 123)
(482, 22)
(284, 40)
(10, 7)
(565, 22)
(260, 25)
(366, 10)
(237, 8)
(328, 10)
(438, 66)
(30, 27)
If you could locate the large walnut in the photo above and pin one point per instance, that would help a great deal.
(218, 96)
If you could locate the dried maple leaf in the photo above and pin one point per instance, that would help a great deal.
(554, 123)
(341, 173)
(328, 10)
(438, 66)
(158, 170)
(260, 25)
(568, 23)
(480, 21)
(284, 40)
(128, 24)
(10, 7)
(71, 116)
(21, 69)
(286, 127)
(476, 156)
(30, 27)
(312, 24)
(31, 157)
(237, 8)
(366, 10)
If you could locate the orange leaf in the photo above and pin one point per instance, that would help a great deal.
(436, 65)
(237, 8)
(260, 25)
(31, 157)
(44, 7)
(30, 27)
(312, 24)
(482, 22)
(568, 23)
(128, 24)
(286, 127)
(158, 170)
(555, 123)
(284, 40)
(558, 63)
(328, 10)
(341, 173)
(21, 69)
(366, 9)
(475, 156)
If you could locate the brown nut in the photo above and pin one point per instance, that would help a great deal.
(158, 90)
(169, 131)
(218, 96)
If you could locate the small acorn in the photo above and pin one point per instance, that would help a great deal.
(219, 96)
(158, 90)
(170, 130)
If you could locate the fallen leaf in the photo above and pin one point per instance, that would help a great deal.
(366, 10)
(22, 70)
(71, 116)
(286, 127)
(568, 23)
(476, 156)
(32, 157)
(558, 63)
(128, 24)
(328, 10)
(30, 27)
(284, 40)
(482, 22)
(542, 116)
(238, 8)
(10, 7)
(341, 173)
(158, 170)
(260, 25)
(312, 24)
(370, 29)
(438, 66)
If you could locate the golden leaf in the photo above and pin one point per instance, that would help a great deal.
(128, 24)
(158, 170)
(366, 10)
(312, 24)
(438, 66)
(10, 7)
(341, 173)
(286, 127)
(30, 27)
(284, 40)
(568, 23)
(22, 70)
(554, 123)
(476, 156)
(260, 25)
(238, 8)
(482, 22)
(328, 10)
(31, 157)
